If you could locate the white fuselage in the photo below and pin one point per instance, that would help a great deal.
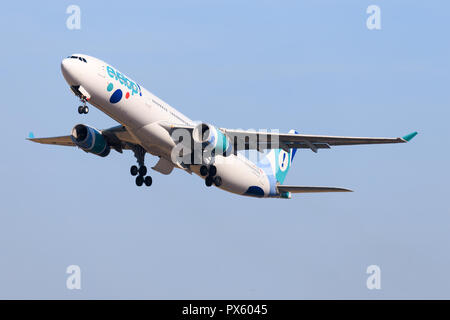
(141, 113)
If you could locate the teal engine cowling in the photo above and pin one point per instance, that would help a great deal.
(211, 137)
(90, 140)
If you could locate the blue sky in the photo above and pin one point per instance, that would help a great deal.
(308, 65)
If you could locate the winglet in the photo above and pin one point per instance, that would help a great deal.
(408, 137)
(31, 135)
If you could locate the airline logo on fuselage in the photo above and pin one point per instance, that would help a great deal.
(130, 85)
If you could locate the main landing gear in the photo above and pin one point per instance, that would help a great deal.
(84, 108)
(211, 177)
(141, 171)
(141, 178)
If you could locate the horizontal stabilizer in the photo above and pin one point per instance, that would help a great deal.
(303, 189)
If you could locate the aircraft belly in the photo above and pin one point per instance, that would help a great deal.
(155, 139)
(239, 176)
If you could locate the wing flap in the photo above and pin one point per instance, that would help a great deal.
(341, 141)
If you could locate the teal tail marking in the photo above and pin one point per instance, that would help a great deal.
(283, 161)
(409, 137)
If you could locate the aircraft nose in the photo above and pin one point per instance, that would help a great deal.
(68, 69)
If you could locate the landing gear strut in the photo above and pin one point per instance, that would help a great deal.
(211, 177)
(140, 171)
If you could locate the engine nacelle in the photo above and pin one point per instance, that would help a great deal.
(90, 140)
(211, 137)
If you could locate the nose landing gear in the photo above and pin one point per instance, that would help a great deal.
(84, 108)
(211, 175)
(140, 172)
(84, 96)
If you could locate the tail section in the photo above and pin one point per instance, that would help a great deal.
(277, 163)
(283, 161)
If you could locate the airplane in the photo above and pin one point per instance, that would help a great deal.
(150, 125)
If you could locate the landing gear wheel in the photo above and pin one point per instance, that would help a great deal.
(140, 170)
(212, 170)
(85, 109)
(139, 181)
(217, 181)
(80, 109)
(203, 170)
(134, 170)
(143, 171)
(148, 181)
(208, 181)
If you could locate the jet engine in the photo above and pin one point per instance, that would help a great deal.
(211, 137)
(90, 140)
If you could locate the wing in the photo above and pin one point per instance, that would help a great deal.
(118, 137)
(302, 189)
(263, 140)
(250, 140)
(60, 141)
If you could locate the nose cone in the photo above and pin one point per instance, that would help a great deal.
(69, 71)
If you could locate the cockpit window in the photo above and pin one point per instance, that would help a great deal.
(79, 58)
